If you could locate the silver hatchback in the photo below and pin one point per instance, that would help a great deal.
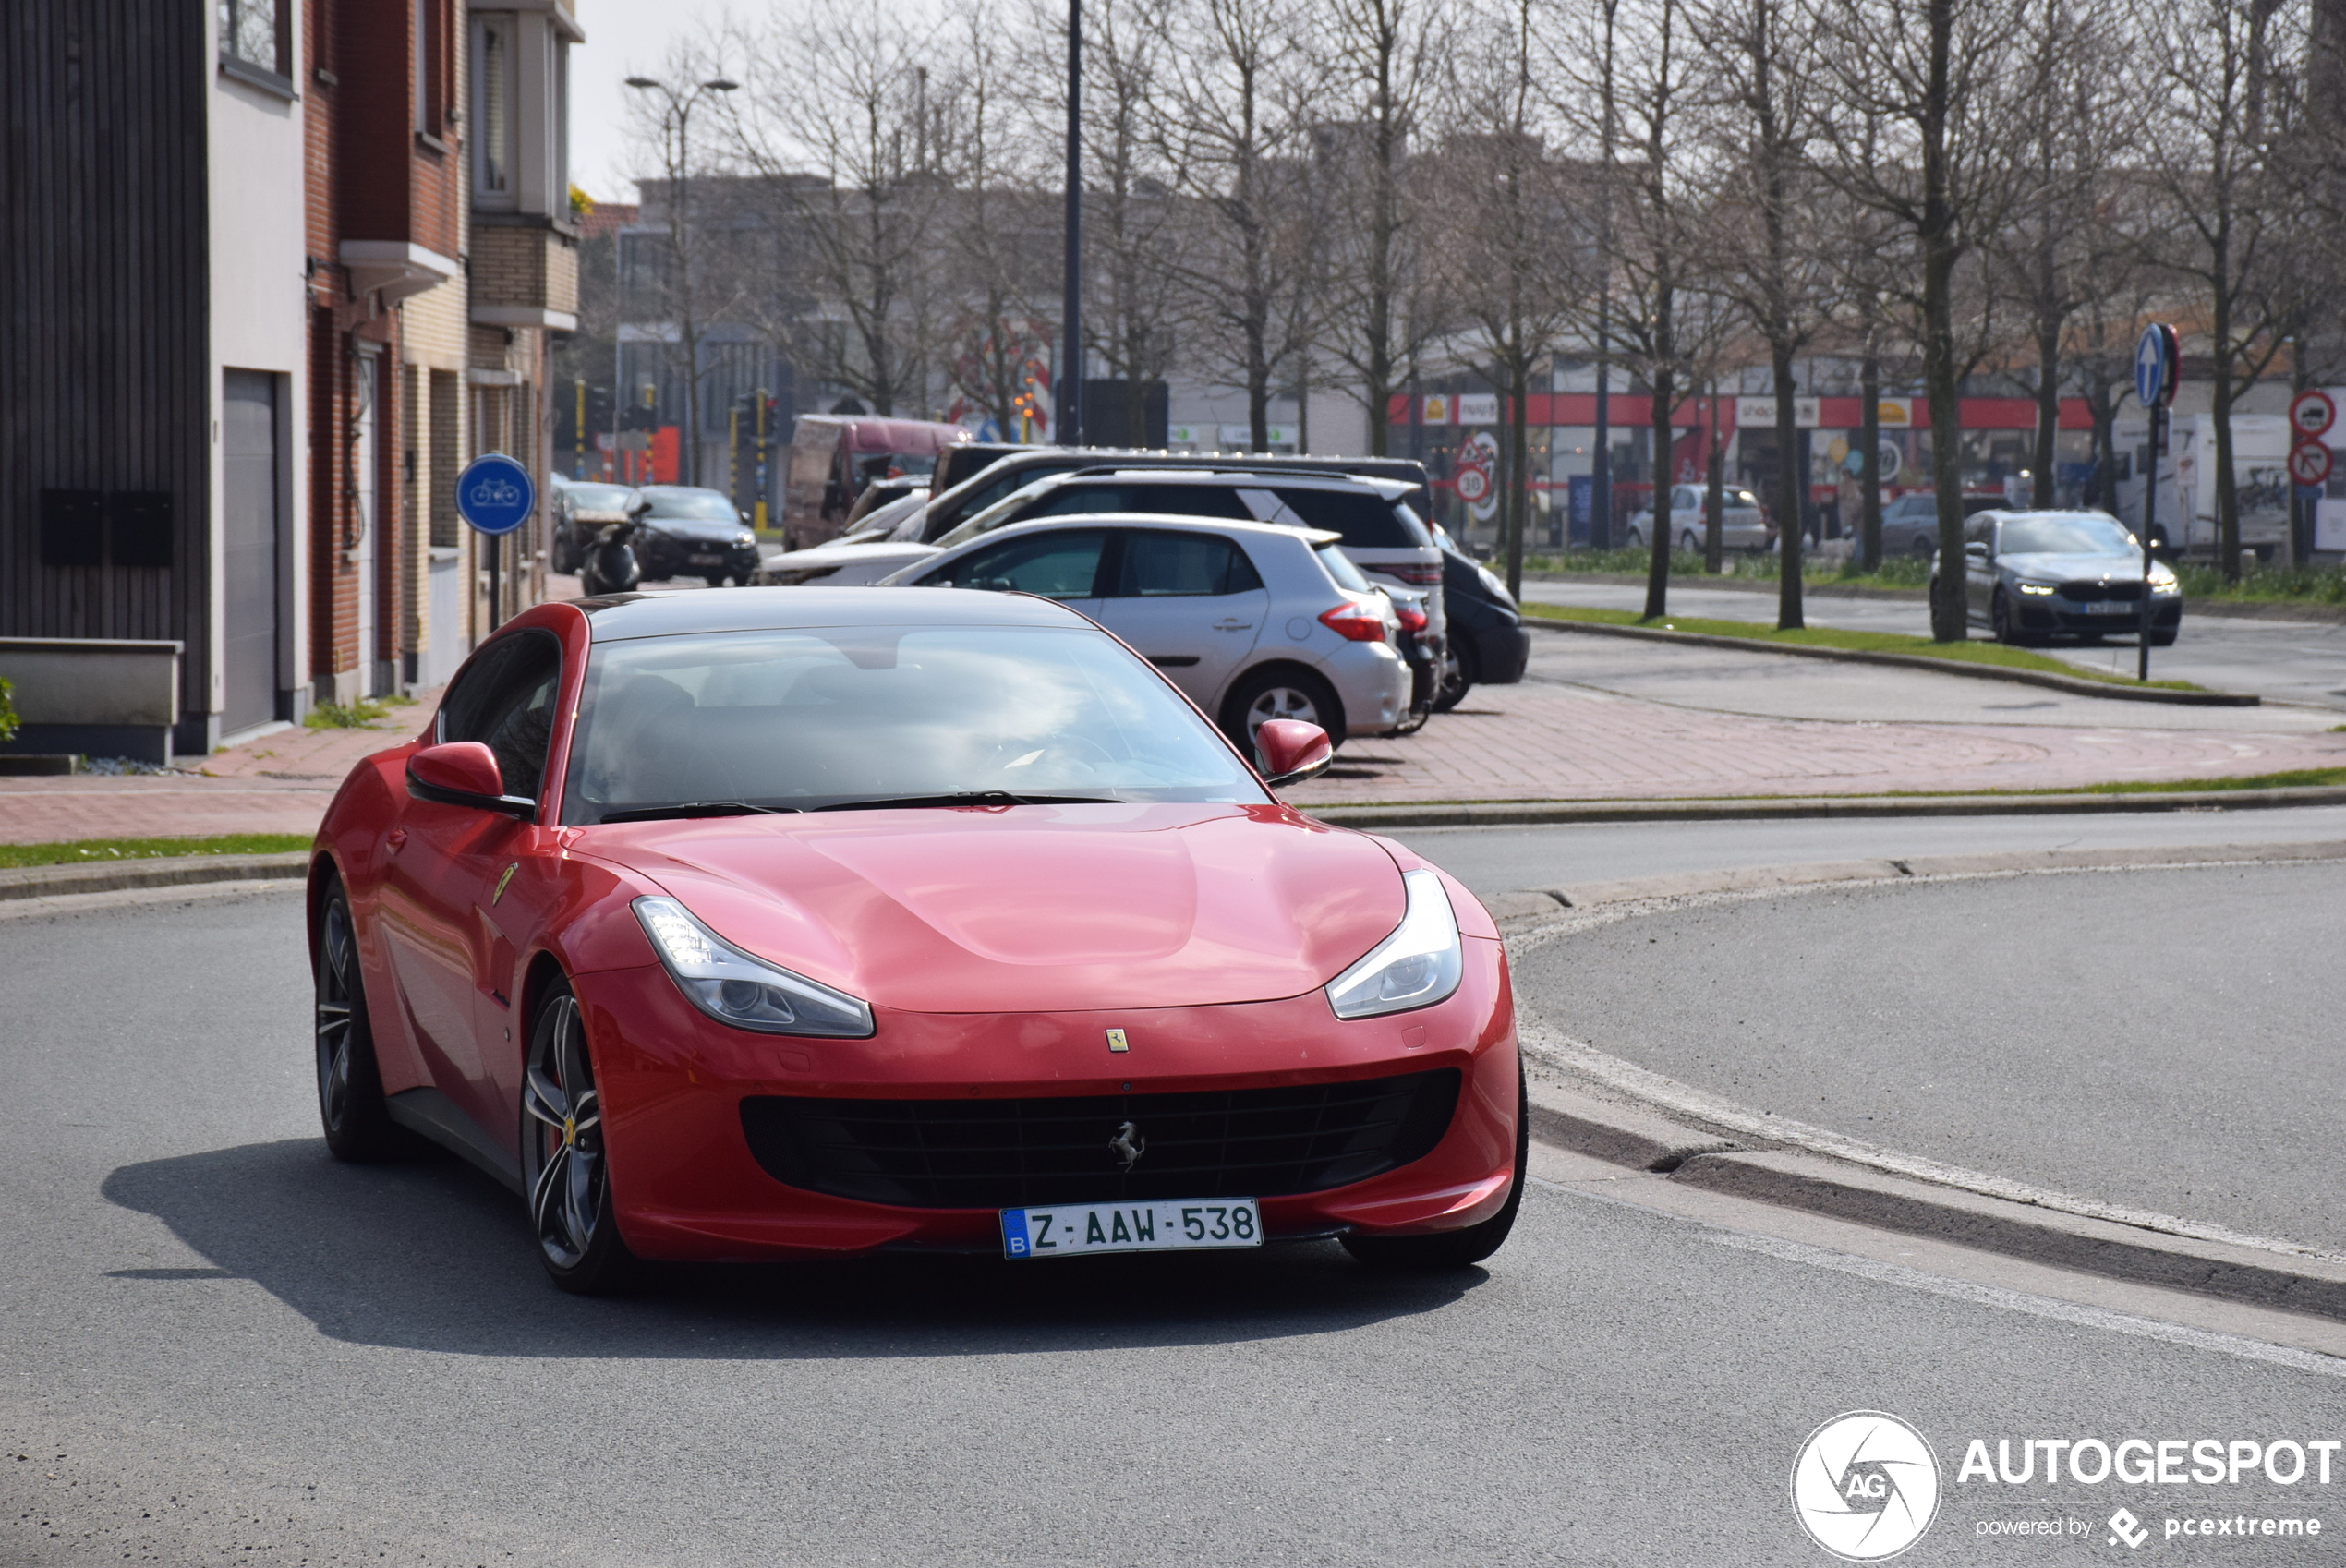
(1255, 621)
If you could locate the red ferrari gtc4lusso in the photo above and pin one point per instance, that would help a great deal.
(795, 923)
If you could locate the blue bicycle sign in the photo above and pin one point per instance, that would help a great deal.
(495, 494)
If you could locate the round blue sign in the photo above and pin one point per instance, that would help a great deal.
(494, 494)
(2155, 366)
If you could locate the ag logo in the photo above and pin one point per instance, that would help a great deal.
(1865, 1486)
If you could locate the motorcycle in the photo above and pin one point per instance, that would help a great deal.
(610, 566)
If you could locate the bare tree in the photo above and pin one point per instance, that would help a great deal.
(836, 124)
(991, 283)
(1913, 126)
(1387, 70)
(1514, 260)
(2229, 79)
(1235, 91)
(1773, 221)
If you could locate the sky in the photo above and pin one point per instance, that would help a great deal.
(625, 38)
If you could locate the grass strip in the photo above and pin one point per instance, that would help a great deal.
(1758, 636)
(88, 852)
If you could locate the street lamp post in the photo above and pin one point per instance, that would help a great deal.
(1070, 417)
(678, 110)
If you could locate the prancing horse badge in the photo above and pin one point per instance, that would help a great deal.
(1116, 1041)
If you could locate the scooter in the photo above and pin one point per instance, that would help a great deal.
(610, 566)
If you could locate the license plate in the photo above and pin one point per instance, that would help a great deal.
(708, 560)
(1066, 1230)
(2113, 606)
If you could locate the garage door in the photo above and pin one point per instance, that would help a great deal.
(249, 538)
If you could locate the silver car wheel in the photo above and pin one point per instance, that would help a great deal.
(1281, 702)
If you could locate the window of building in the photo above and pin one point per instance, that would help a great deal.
(493, 125)
(258, 33)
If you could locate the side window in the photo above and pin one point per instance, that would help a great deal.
(1169, 565)
(1060, 565)
(505, 699)
(1979, 530)
(1191, 500)
(1683, 499)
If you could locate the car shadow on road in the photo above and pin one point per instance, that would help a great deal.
(428, 1255)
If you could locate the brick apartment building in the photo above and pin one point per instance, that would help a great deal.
(277, 270)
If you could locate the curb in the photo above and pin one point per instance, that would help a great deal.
(1514, 910)
(172, 870)
(1618, 1116)
(2072, 684)
(1528, 814)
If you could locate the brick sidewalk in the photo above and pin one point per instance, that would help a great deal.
(279, 783)
(1536, 741)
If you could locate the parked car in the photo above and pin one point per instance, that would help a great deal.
(1487, 644)
(690, 532)
(1743, 523)
(2029, 577)
(582, 511)
(897, 919)
(862, 556)
(1255, 621)
(880, 493)
(1910, 523)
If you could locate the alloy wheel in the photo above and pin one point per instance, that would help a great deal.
(337, 972)
(1281, 702)
(566, 1134)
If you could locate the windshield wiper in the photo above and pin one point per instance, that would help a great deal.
(692, 808)
(971, 798)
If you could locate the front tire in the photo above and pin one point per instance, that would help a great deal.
(351, 1107)
(1456, 1249)
(565, 1168)
(1689, 544)
(1637, 540)
(1999, 619)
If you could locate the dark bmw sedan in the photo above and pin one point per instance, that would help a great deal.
(691, 532)
(2030, 577)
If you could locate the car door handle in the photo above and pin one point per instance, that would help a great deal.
(1227, 625)
(398, 836)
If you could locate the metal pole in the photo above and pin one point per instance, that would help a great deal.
(496, 596)
(761, 459)
(1069, 419)
(2150, 514)
(691, 475)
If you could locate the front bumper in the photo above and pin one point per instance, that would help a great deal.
(687, 1185)
(665, 555)
(2058, 613)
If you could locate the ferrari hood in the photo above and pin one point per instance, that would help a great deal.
(1031, 908)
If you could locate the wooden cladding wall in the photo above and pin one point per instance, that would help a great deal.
(103, 327)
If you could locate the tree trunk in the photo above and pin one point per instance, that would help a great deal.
(1789, 485)
(2040, 490)
(1935, 235)
(1714, 496)
(1870, 474)
(2103, 410)
(1519, 469)
(1664, 517)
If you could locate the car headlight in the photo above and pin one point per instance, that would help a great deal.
(2163, 582)
(744, 539)
(2038, 589)
(733, 987)
(1419, 965)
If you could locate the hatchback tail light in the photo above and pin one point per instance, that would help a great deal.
(1354, 621)
(1417, 574)
(1412, 619)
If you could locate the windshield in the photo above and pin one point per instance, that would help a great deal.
(599, 498)
(834, 715)
(2066, 535)
(699, 506)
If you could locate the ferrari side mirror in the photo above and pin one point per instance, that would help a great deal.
(1292, 751)
(464, 772)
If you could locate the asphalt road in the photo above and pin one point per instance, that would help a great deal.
(2162, 1040)
(216, 1344)
(2279, 661)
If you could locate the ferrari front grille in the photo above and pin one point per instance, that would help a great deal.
(981, 1153)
